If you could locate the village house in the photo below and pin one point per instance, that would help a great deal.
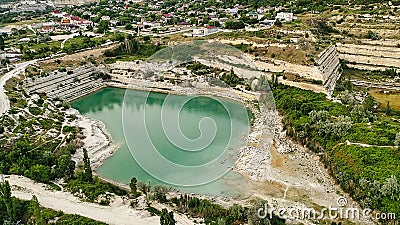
(183, 25)
(285, 16)
(252, 15)
(105, 18)
(47, 29)
(66, 19)
(207, 30)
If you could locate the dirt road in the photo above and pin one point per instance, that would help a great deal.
(4, 102)
(118, 212)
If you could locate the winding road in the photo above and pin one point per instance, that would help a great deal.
(4, 102)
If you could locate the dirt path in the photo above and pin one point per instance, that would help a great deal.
(118, 212)
(365, 145)
(4, 103)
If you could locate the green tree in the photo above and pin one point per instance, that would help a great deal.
(159, 193)
(397, 139)
(5, 195)
(65, 167)
(237, 213)
(390, 187)
(39, 173)
(2, 45)
(103, 26)
(144, 187)
(133, 186)
(128, 26)
(373, 35)
(146, 38)
(37, 216)
(87, 175)
(369, 103)
(234, 24)
(193, 20)
(167, 218)
(388, 109)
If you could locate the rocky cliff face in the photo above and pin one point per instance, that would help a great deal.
(328, 65)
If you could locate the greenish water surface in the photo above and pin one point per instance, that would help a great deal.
(135, 117)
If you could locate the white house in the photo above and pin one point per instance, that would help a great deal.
(105, 18)
(205, 31)
(285, 16)
(231, 11)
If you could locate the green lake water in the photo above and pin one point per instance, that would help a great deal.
(142, 121)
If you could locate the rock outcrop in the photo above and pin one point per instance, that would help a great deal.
(66, 85)
(328, 65)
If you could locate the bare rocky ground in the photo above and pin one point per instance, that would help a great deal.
(97, 141)
(284, 173)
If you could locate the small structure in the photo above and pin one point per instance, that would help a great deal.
(107, 18)
(205, 31)
(58, 13)
(12, 56)
(285, 16)
(65, 20)
(183, 24)
(267, 23)
(252, 15)
(25, 40)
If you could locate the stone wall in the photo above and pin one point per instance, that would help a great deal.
(329, 66)
(69, 87)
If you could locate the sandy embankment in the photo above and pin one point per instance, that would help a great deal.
(98, 142)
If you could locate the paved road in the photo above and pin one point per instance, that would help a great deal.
(4, 102)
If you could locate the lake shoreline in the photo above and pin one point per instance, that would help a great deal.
(101, 146)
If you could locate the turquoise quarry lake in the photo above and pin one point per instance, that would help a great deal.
(223, 116)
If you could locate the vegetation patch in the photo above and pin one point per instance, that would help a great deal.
(359, 144)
